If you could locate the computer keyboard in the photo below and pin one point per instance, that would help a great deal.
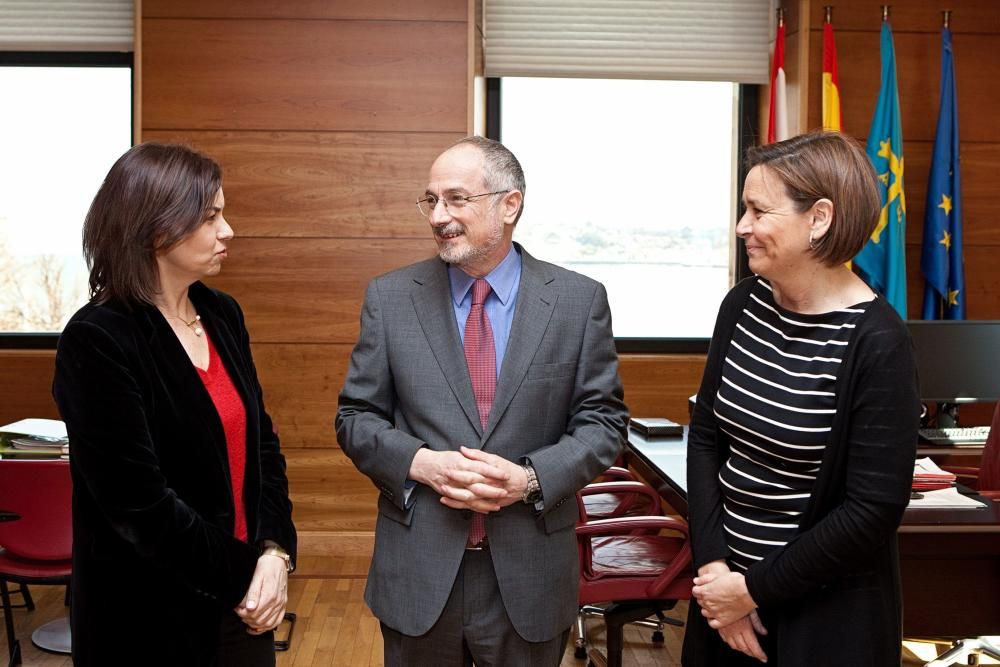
(968, 436)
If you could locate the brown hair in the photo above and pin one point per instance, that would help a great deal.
(153, 197)
(827, 165)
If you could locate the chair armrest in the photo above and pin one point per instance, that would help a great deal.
(626, 524)
(620, 487)
(993, 495)
(617, 472)
(628, 491)
(671, 572)
(7, 515)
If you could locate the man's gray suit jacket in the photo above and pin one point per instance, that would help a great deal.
(558, 402)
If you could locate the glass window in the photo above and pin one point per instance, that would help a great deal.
(61, 129)
(632, 183)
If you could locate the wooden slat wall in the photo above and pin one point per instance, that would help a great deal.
(325, 117)
(916, 26)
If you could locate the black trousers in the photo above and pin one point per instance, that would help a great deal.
(239, 649)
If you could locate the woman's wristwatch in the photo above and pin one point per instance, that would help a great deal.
(273, 549)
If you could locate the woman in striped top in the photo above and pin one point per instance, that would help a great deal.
(801, 448)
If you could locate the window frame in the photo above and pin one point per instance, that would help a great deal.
(747, 136)
(13, 340)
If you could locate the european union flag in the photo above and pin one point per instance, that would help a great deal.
(882, 262)
(941, 262)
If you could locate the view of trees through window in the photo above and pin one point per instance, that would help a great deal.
(61, 129)
(632, 183)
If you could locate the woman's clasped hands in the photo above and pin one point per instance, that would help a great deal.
(263, 606)
(726, 603)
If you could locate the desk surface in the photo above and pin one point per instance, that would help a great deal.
(667, 458)
(949, 559)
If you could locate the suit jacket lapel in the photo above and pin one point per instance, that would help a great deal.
(536, 299)
(432, 304)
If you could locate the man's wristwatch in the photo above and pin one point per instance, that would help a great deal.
(274, 550)
(533, 491)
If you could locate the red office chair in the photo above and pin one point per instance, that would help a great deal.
(627, 563)
(609, 500)
(986, 480)
(36, 547)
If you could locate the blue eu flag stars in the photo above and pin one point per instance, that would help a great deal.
(882, 261)
(941, 260)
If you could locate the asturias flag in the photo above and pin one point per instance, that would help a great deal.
(882, 262)
(941, 262)
(777, 121)
(831, 88)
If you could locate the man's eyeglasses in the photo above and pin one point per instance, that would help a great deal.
(452, 202)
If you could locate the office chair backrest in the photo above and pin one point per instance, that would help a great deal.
(989, 466)
(41, 493)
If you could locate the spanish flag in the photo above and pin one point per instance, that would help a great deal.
(777, 120)
(831, 88)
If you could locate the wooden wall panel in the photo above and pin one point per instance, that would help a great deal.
(918, 59)
(310, 290)
(325, 117)
(658, 385)
(913, 15)
(26, 386)
(328, 493)
(321, 184)
(301, 384)
(397, 10)
(917, 37)
(304, 75)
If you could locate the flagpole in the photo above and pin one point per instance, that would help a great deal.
(829, 14)
(781, 16)
(885, 12)
(946, 18)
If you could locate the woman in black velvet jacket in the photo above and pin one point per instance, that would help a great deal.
(829, 466)
(173, 562)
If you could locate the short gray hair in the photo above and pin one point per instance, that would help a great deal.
(501, 170)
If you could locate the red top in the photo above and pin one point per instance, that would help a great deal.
(233, 415)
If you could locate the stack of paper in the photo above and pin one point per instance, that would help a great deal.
(34, 437)
(949, 499)
(927, 476)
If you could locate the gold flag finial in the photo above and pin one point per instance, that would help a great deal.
(946, 18)
(829, 13)
(781, 16)
(885, 12)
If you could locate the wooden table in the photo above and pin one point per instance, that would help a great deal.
(949, 559)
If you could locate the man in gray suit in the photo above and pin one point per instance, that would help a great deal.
(482, 394)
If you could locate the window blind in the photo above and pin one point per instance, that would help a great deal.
(697, 40)
(66, 25)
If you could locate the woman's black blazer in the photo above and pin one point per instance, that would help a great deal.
(155, 563)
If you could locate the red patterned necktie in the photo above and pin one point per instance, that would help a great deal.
(481, 356)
